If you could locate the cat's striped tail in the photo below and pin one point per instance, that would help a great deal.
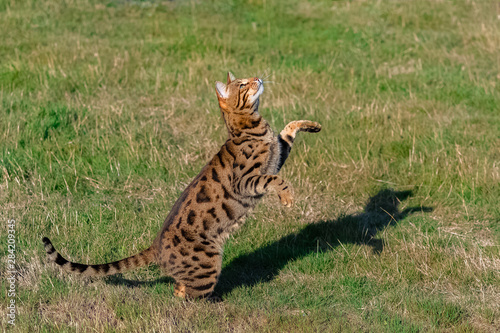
(141, 259)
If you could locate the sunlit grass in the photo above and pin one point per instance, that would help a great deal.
(108, 110)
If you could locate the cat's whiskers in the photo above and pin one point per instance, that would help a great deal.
(262, 77)
(268, 75)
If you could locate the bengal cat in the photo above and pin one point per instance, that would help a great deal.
(189, 245)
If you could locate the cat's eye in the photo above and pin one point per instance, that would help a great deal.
(243, 85)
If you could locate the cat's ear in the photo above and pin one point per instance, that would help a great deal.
(230, 77)
(221, 89)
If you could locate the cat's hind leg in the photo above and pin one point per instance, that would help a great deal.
(199, 280)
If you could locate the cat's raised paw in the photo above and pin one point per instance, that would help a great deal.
(310, 126)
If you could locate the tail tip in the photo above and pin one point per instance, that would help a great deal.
(47, 244)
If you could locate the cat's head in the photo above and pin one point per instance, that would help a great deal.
(239, 94)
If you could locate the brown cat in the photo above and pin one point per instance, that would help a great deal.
(190, 243)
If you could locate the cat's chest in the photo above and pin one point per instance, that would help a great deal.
(259, 157)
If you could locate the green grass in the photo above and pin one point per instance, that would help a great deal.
(108, 110)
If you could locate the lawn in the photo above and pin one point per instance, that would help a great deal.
(108, 110)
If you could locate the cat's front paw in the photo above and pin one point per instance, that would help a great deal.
(286, 197)
(310, 126)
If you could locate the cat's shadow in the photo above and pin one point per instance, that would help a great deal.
(265, 263)
(119, 280)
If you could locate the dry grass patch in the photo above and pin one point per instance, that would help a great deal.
(82, 314)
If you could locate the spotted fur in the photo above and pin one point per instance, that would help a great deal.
(190, 243)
